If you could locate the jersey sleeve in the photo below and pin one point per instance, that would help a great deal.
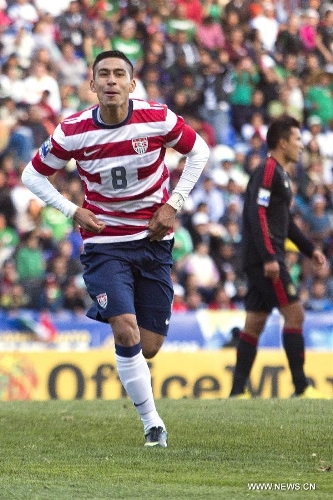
(52, 155)
(301, 241)
(180, 136)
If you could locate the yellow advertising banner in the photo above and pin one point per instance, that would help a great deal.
(201, 374)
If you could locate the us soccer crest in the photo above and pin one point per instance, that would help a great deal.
(102, 299)
(140, 145)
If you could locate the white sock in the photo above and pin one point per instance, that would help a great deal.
(135, 376)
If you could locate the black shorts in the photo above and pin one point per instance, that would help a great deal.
(264, 294)
(131, 277)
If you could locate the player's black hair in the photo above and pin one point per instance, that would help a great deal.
(116, 54)
(280, 128)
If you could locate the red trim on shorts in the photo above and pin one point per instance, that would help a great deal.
(248, 339)
(280, 292)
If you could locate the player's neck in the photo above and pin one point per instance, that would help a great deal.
(280, 158)
(112, 115)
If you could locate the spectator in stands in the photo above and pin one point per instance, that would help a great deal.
(318, 97)
(318, 300)
(8, 239)
(294, 267)
(72, 69)
(7, 207)
(127, 43)
(50, 297)
(215, 108)
(319, 223)
(178, 20)
(194, 301)
(75, 297)
(244, 79)
(11, 84)
(324, 38)
(183, 244)
(240, 10)
(288, 40)
(179, 304)
(37, 82)
(202, 267)
(268, 26)
(235, 45)
(30, 266)
(308, 29)
(256, 124)
(23, 14)
(284, 106)
(208, 193)
(72, 25)
(311, 69)
(221, 300)
(209, 35)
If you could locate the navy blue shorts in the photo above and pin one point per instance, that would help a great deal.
(264, 294)
(130, 277)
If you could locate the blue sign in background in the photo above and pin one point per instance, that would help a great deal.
(186, 331)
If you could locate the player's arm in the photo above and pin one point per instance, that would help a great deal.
(40, 185)
(164, 218)
(305, 245)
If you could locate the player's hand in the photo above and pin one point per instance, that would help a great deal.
(161, 222)
(318, 259)
(272, 270)
(88, 221)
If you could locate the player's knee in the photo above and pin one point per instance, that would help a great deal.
(294, 315)
(149, 353)
(125, 329)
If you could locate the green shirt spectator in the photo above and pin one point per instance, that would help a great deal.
(318, 98)
(183, 244)
(59, 225)
(29, 258)
(244, 79)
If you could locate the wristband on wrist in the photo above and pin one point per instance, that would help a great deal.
(176, 201)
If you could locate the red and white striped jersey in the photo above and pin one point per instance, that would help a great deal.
(121, 166)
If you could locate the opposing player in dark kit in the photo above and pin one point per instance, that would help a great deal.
(267, 222)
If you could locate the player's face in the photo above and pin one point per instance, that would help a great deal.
(112, 82)
(294, 146)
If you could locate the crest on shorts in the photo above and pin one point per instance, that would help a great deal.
(45, 148)
(140, 145)
(102, 299)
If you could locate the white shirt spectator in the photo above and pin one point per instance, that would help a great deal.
(23, 13)
(37, 82)
(268, 27)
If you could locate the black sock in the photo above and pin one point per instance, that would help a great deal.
(293, 343)
(246, 353)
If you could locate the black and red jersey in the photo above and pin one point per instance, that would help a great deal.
(267, 217)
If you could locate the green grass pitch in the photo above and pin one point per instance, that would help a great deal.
(217, 449)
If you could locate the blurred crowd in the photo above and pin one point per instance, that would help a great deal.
(229, 68)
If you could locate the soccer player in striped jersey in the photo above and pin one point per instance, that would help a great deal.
(267, 223)
(127, 217)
